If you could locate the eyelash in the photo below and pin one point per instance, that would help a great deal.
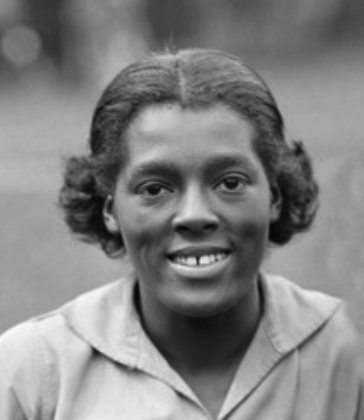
(241, 181)
(146, 188)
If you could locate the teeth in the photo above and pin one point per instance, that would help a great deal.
(191, 261)
(206, 259)
(202, 260)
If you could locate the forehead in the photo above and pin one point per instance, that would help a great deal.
(160, 117)
(168, 129)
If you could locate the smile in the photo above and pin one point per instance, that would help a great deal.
(199, 261)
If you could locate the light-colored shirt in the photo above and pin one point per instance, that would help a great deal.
(91, 360)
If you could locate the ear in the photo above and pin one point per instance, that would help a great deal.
(109, 218)
(275, 203)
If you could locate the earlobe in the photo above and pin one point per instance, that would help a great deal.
(276, 203)
(108, 214)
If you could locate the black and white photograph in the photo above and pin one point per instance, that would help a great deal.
(181, 210)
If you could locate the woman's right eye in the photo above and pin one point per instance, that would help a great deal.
(153, 189)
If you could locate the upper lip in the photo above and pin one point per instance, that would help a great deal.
(198, 251)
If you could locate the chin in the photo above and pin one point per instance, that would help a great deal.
(200, 308)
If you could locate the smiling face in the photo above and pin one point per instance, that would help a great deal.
(193, 206)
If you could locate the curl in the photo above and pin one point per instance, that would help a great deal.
(82, 199)
(299, 192)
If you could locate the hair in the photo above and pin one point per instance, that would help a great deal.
(193, 79)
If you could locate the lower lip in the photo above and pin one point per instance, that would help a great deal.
(201, 271)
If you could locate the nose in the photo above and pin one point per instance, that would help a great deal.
(195, 214)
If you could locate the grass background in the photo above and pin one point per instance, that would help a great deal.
(42, 266)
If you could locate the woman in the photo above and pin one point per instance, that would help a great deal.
(189, 174)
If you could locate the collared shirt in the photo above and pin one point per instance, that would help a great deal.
(91, 360)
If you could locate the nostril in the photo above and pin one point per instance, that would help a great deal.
(196, 226)
(210, 227)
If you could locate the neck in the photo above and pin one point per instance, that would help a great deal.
(192, 343)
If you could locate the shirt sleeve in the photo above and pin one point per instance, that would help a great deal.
(360, 409)
(345, 356)
(351, 363)
(331, 371)
(10, 407)
(21, 378)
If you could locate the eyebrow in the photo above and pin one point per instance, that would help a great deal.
(224, 161)
(154, 167)
(212, 165)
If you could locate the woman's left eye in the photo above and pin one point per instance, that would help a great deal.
(232, 183)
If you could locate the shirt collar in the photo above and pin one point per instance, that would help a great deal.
(107, 320)
(292, 314)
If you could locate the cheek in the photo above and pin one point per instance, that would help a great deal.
(143, 233)
(250, 220)
(253, 233)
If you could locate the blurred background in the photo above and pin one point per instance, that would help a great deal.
(57, 55)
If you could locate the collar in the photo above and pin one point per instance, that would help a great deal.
(293, 314)
(106, 318)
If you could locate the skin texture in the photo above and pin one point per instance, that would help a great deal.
(193, 185)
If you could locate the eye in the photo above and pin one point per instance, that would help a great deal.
(153, 189)
(232, 183)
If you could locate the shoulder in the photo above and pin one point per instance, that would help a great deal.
(297, 317)
(29, 351)
(28, 375)
(35, 355)
(44, 333)
(287, 295)
(340, 343)
(316, 329)
(43, 339)
(27, 338)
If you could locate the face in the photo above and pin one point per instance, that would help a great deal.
(193, 206)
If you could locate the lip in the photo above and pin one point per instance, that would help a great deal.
(210, 271)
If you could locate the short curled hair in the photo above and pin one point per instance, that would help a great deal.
(193, 79)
